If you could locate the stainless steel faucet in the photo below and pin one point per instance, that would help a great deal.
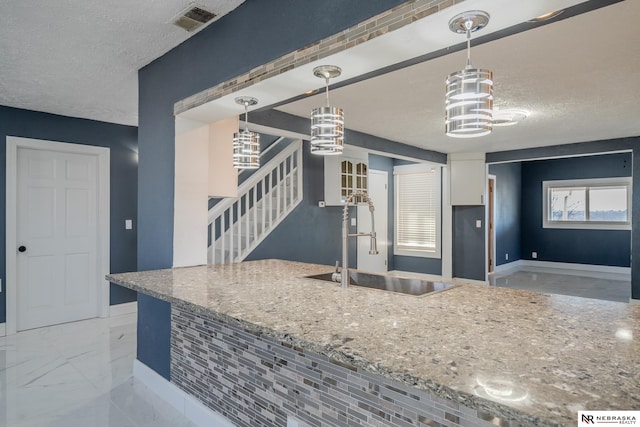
(373, 247)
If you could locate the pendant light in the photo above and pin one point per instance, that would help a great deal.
(327, 123)
(246, 144)
(469, 93)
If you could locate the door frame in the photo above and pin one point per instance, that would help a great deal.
(378, 223)
(491, 234)
(103, 244)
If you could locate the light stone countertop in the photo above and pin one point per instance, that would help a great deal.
(528, 357)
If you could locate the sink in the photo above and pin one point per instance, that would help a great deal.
(389, 283)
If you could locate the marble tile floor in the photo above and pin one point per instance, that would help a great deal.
(78, 374)
(610, 287)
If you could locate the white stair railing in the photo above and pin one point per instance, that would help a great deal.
(237, 225)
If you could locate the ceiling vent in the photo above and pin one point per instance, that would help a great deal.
(193, 17)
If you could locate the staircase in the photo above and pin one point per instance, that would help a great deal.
(237, 225)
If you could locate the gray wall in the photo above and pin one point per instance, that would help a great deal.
(123, 144)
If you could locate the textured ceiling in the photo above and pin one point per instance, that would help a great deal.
(80, 58)
(578, 77)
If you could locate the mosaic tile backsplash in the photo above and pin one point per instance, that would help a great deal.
(257, 381)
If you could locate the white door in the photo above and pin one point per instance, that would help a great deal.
(378, 192)
(56, 236)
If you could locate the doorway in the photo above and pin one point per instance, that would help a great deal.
(57, 232)
(378, 191)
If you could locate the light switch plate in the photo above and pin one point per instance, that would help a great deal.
(478, 223)
(128, 224)
(353, 222)
(534, 255)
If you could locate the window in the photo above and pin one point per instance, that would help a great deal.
(603, 203)
(417, 210)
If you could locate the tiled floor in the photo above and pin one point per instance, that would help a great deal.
(609, 287)
(77, 374)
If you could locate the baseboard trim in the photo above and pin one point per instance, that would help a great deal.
(603, 271)
(510, 267)
(122, 309)
(187, 405)
(3, 329)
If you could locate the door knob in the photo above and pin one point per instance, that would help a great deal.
(22, 249)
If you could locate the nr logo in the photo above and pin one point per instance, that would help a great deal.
(587, 419)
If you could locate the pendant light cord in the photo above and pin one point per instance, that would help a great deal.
(246, 116)
(326, 85)
(468, 25)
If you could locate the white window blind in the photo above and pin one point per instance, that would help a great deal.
(417, 210)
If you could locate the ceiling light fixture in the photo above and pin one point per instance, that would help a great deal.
(327, 123)
(469, 93)
(246, 144)
(508, 117)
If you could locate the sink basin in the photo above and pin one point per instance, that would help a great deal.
(389, 283)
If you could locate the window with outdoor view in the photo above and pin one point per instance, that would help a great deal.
(603, 203)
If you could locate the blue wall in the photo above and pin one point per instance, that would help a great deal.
(322, 242)
(255, 33)
(310, 233)
(468, 248)
(508, 212)
(631, 144)
(313, 234)
(603, 247)
(122, 141)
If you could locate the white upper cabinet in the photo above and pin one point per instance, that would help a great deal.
(468, 180)
(344, 175)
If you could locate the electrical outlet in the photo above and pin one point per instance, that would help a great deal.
(321, 204)
(506, 256)
(478, 223)
(128, 224)
(353, 222)
(534, 255)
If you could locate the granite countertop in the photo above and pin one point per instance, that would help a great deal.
(528, 357)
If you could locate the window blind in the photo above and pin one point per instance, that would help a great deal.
(418, 203)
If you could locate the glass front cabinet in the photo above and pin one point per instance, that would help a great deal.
(343, 176)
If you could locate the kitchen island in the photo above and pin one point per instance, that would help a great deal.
(258, 342)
